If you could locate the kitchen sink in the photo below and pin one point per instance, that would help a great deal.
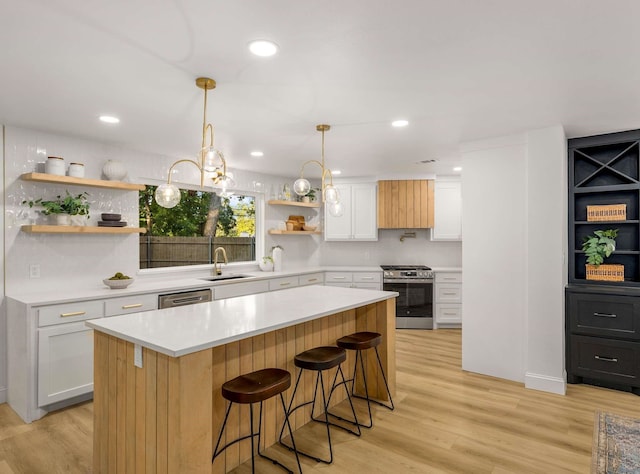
(225, 277)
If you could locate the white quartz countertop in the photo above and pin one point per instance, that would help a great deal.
(179, 331)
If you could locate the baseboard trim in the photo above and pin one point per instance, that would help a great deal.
(545, 383)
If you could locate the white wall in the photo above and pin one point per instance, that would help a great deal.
(546, 263)
(494, 257)
(3, 306)
(514, 208)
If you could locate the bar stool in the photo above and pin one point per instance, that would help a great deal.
(361, 341)
(320, 359)
(252, 388)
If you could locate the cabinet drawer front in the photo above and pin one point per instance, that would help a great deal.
(600, 358)
(311, 279)
(130, 304)
(448, 294)
(240, 289)
(368, 286)
(448, 277)
(70, 312)
(283, 283)
(338, 277)
(604, 315)
(367, 277)
(341, 285)
(448, 313)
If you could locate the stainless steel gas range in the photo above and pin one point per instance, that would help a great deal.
(414, 283)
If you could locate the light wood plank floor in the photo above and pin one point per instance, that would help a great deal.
(446, 421)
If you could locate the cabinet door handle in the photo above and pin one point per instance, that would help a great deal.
(68, 315)
(130, 306)
(606, 359)
(605, 315)
(285, 284)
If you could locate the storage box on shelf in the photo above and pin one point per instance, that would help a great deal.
(308, 205)
(603, 303)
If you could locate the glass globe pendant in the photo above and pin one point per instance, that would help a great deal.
(301, 187)
(335, 209)
(331, 194)
(167, 195)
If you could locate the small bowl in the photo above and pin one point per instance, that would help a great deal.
(310, 228)
(111, 217)
(117, 284)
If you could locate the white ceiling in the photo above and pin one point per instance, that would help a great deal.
(458, 70)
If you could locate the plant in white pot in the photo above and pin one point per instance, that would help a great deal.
(266, 264)
(67, 210)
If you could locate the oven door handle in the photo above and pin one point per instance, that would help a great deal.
(409, 281)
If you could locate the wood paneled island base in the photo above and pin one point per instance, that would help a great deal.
(165, 416)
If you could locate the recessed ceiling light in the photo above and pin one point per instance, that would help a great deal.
(263, 48)
(257, 154)
(457, 168)
(336, 172)
(109, 119)
(399, 123)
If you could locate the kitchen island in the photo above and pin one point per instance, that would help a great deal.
(157, 374)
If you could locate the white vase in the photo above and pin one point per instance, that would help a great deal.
(114, 170)
(277, 259)
(61, 219)
(266, 266)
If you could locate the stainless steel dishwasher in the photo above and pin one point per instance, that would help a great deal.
(184, 298)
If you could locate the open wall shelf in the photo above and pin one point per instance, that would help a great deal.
(94, 183)
(77, 229)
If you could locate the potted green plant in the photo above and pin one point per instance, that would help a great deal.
(63, 208)
(266, 265)
(310, 196)
(597, 247)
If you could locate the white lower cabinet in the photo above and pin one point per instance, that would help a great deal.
(448, 299)
(283, 283)
(240, 289)
(311, 279)
(65, 362)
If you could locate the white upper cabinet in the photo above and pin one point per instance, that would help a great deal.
(358, 221)
(447, 210)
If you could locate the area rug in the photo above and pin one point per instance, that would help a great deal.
(616, 444)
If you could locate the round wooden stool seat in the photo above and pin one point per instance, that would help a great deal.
(320, 358)
(256, 386)
(360, 341)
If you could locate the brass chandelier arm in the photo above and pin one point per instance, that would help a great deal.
(186, 161)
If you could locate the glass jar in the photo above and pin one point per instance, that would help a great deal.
(54, 165)
(76, 170)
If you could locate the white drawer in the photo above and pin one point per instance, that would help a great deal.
(311, 279)
(346, 284)
(130, 304)
(338, 277)
(448, 313)
(448, 293)
(283, 283)
(240, 289)
(449, 277)
(70, 312)
(367, 277)
(370, 286)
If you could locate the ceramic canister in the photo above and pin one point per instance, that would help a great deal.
(54, 165)
(114, 170)
(76, 170)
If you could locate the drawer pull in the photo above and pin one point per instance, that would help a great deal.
(338, 278)
(605, 315)
(131, 306)
(606, 359)
(449, 278)
(312, 279)
(367, 278)
(448, 293)
(285, 284)
(68, 315)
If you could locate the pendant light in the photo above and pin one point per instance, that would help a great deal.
(210, 160)
(330, 195)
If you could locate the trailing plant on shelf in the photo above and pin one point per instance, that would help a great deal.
(74, 205)
(600, 245)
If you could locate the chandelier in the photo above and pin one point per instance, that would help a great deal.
(210, 162)
(330, 195)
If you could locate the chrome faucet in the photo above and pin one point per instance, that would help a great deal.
(217, 270)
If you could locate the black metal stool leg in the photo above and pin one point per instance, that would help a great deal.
(355, 421)
(224, 423)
